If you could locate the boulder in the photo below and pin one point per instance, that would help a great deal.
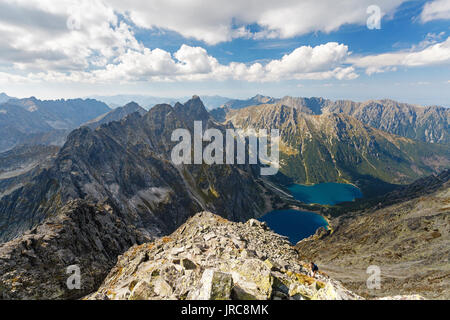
(215, 285)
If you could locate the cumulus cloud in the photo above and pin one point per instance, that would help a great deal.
(36, 34)
(435, 10)
(215, 21)
(437, 53)
(86, 41)
(195, 64)
(7, 78)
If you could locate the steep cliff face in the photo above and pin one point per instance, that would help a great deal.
(129, 163)
(430, 124)
(19, 165)
(90, 236)
(408, 239)
(337, 147)
(211, 258)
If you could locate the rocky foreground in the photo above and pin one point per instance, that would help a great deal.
(208, 257)
(91, 236)
(211, 258)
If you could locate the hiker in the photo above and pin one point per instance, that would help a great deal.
(314, 269)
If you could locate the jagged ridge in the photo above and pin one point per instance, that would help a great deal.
(129, 163)
(337, 147)
(88, 235)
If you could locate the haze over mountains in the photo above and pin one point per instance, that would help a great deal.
(210, 102)
(37, 121)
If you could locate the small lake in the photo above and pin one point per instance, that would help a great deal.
(325, 193)
(297, 225)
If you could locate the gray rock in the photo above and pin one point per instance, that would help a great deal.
(215, 285)
(220, 270)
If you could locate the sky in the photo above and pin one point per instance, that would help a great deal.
(349, 49)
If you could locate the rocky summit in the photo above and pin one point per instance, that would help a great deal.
(211, 258)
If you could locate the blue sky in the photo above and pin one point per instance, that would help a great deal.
(179, 48)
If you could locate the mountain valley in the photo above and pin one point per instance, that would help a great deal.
(108, 199)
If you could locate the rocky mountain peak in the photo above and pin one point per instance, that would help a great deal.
(132, 105)
(117, 114)
(192, 110)
(209, 257)
(4, 97)
(263, 99)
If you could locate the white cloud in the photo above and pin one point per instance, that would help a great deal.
(35, 34)
(85, 41)
(195, 64)
(7, 78)
(437, 53)
(430, 38)
(435, 10)
(212, 21)
(307, 59)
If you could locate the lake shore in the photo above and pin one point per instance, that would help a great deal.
(315, 197)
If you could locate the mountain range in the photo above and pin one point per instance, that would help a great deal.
(114, 101)
(337, 147)
(34, 121)
(111, 187)
(254, 101)
(428, 124)
(116, 114)
(129, 163)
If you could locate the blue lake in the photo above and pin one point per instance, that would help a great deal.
(297, 225)
(325, 193)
